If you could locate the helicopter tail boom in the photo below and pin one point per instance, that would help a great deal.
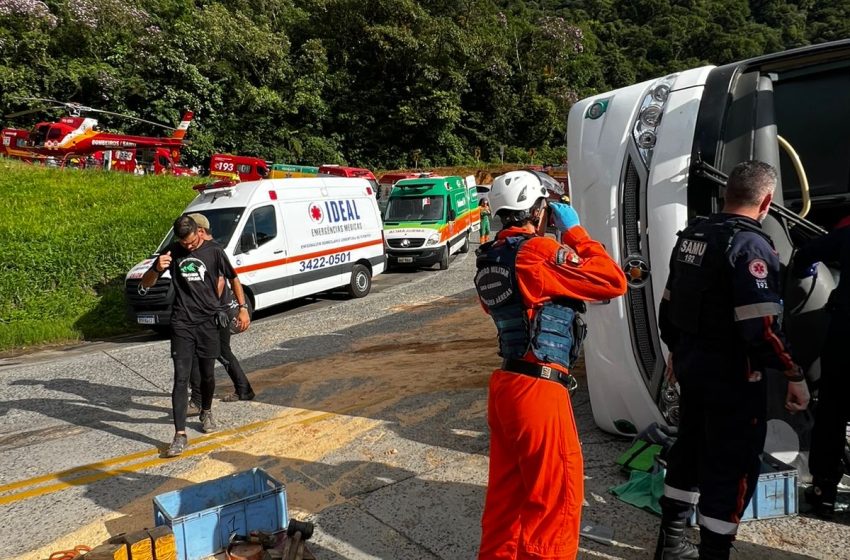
(183, 126)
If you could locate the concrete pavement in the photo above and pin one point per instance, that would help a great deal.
(385, 468)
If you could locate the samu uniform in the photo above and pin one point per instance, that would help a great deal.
(536, 487)
(719, 318)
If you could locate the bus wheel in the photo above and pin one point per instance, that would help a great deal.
(361, 281)
(444, 261)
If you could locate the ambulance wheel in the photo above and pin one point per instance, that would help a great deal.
(361, 281)
(444, 260)
(465, 247)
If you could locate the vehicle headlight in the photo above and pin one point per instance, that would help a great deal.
(650, 116)
(433, 239)
(645, 130)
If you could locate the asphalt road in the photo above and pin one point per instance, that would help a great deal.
(80, 430)
(88, 404)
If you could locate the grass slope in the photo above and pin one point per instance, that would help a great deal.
(67, 240)
(69, 237)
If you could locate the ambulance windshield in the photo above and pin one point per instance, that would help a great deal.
(222, 223)
(415, 209)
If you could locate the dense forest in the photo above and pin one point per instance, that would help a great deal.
(378, 83)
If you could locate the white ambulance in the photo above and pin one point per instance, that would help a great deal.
(286, 238)
(646, 158)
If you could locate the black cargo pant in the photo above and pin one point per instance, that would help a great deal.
(832, 413)
(714, 463)
(241, 384)
(193, 346)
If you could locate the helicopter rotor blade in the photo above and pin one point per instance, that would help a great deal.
(44, 99)
(30, 111)
(129, 117)
(77, 108)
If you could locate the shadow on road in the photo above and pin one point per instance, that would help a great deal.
(98, 406)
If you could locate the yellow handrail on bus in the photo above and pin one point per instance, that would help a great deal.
(801, 174)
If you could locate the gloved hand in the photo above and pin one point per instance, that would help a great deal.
(564, 215)
(797, 397)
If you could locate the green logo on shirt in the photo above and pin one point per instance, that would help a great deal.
(192, 270)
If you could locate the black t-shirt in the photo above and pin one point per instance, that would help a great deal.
(195, 277)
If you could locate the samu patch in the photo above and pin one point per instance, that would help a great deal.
(758, 269)
(692, 252)
(567, 256)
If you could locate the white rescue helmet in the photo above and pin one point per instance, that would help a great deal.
(517, 191)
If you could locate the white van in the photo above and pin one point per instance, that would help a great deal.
(646, 158)
(286, 238)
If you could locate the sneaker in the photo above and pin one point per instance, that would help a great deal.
(193, 409)
(233, 397)
(208, 424)
(178, 445)
(821, 500)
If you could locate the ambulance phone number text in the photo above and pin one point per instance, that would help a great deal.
(319, 262)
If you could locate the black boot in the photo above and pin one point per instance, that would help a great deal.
(821, 496)
(672, 544)
(713, 546)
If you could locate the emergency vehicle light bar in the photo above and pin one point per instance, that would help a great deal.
(417, 186)
(220, 184)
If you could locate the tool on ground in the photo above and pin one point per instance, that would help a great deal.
(298, 532)
(139, 544)
(75, 552)
(164, 543)
(108, 551)
(244, 551)
(599, 533)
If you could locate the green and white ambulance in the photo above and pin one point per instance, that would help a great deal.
(429, 219)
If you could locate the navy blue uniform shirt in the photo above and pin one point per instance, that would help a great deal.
(751, 267)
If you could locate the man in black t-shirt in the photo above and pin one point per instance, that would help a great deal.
(196, 267)
(242, 390)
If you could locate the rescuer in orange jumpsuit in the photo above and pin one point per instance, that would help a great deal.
(534, 288)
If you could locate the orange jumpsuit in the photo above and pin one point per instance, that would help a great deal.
(536, 482)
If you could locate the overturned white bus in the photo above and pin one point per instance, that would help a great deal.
(646, 158)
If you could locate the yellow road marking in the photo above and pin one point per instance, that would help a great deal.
(226, 437)
(83, 480)
(118, 460)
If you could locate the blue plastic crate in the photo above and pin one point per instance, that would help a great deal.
(204, 515)
(776, 492)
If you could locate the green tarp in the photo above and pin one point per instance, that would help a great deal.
(640, 456)
(642, 490)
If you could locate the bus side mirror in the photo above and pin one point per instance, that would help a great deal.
(452, 215)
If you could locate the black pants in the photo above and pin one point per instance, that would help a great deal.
(832, 413)
(190, 343)
(715, 460)
(240, 381)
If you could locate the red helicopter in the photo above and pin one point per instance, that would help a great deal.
(77, 141)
